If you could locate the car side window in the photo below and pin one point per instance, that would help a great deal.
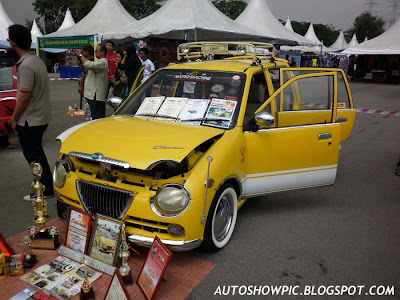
(305, 101)
(257, 95)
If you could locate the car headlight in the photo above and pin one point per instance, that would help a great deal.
(171, 200)
(61, 170)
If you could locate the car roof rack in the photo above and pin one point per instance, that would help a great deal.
(254, 50)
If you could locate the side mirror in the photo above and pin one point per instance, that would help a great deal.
(263, 119)
(114, 101)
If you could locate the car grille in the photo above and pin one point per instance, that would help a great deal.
(105, 200)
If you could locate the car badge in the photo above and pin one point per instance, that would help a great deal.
(96, 155)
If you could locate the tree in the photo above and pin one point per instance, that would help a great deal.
(54, 10)
(367, 25)
(232, 9)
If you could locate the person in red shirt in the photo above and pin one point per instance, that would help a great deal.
(110, 56)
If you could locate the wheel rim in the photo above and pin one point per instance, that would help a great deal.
(223, 217)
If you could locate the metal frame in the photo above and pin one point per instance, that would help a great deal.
(254, 50)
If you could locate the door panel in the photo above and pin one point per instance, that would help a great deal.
(291, 158)
(303, 148)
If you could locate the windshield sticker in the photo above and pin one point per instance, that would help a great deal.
(232, 91)
(149, 106)
(235, 83)
(221, 109)
(171, 108)
(230, 98)
(194, 109)
(236, 77)
(188, 77)
(217, 88)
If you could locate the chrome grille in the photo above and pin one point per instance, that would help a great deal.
(105, 200)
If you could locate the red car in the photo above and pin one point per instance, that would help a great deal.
(7, 100)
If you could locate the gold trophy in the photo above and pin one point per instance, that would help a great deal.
(29, 258)
(86, 290)
(124, 254)
(42, 238)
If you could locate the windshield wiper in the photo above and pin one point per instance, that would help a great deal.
(155, 116)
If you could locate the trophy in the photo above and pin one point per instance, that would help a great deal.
(41, 237)
(29, 258)
(124, 254)
(86, 290)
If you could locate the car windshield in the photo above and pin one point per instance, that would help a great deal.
(196, 97)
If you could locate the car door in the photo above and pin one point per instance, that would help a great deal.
(345, 108)
(301, 148)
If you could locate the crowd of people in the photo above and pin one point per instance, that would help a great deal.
(112, 73)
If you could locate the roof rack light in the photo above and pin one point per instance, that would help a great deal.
(204, 49)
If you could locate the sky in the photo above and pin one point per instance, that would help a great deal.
(339, 13)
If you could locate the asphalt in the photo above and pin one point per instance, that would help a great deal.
(345, 234)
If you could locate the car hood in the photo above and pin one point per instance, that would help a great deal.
(135, 141)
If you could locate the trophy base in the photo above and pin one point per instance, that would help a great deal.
(28, 264)
(87, 296)
(43, 240)
(127, 279)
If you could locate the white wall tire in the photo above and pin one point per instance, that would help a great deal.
(221, 219)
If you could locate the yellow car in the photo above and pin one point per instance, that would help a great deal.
(183, 153)
(105, 241)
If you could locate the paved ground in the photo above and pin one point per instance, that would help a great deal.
(346, 234)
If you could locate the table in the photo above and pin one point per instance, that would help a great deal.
(183, 274)
(70, 72)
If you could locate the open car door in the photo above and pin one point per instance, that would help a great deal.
(301, 148)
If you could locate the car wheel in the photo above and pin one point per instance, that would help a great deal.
(221, 219)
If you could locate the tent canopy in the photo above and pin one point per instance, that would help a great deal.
(387, 43)
(340, 42)
(353, 41)
(35, 32)
(259, 17)
(288, 24)
(5, 22)
(310, 34)
(106, 14)
(68, 21)
(186, 20)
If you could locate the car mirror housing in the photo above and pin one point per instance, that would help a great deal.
(114, 101)
(263, 119)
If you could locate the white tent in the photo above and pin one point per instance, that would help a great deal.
(259, 17)
(288, 24)
(5, 22)
(106, 14)
(310, 34)
(353, 41)
(387, 43)
(340, 42)
(68, 21)
(185, 20)
(35, 32)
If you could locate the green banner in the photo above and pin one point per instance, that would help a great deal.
(70, 42)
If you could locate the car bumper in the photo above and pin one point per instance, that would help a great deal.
(172, 245)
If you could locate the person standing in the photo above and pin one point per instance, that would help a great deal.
(32, 112)
(147, 63)
(95, 86)
(120, 82)
(131, 64)
(110, 56)
(88, 53)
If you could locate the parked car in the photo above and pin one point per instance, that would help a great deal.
(186, 150)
